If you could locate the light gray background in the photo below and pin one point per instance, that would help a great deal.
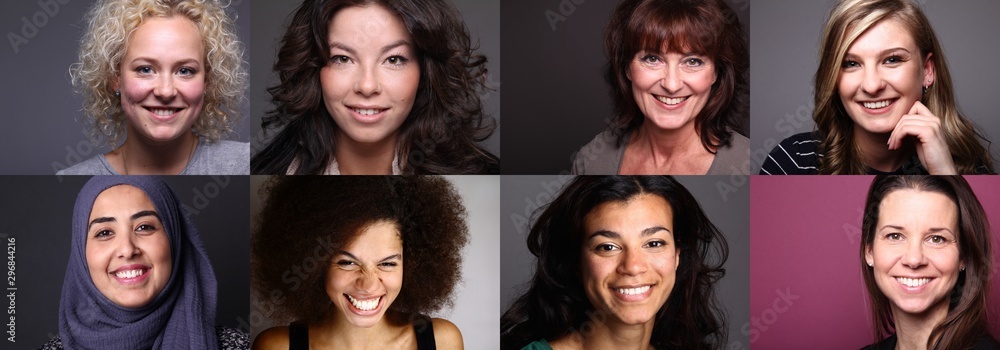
(785, 54)
(41, 125)
(38, 210)
(730, 212)
(556, 81)
(477, 309)
(482, 17)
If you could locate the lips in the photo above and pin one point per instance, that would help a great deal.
(367, 114)
(363, 306)
(131, 274)
(163, 112)
(877, 106)
(633, 292)
(671, 101)
(913, 282)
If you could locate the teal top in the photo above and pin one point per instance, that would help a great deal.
(538, 345)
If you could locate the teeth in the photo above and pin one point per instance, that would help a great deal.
(367, 111)
(671, 101)
(913, 282)
(366, 305)
(128, 273)
(877, 105)
(633, 291)
(163, 112)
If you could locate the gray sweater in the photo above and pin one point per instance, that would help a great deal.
(219, 158)
(602, 157)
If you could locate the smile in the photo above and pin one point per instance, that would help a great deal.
(913, 282)
(130, 273)
(368, 111)
(878, 104)
(164, 112)
(364, 304)
(633, 291)
(671, 101)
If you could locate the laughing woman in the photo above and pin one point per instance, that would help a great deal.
(926, 261)
(622, 263)
(388, 252)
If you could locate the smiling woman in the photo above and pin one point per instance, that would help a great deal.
(169, 75)
(623, 262)
(927, 260)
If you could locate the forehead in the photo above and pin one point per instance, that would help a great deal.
(120, 197)
(381, 236)
(911, 207)
(634, 214)
(886, 34)
(174, 37)
(366, 24)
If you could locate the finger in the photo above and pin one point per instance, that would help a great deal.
(920, 109)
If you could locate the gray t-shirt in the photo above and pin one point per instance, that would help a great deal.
(602, 157)
(222, 157)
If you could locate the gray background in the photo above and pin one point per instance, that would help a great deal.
(482, 17)
(37, 211)
(785, 54)
(730, 212)
(556, 82)
(41, 116)
(477, 309)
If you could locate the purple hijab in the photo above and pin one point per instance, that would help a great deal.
(181, 317)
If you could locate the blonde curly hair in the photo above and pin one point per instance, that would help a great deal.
(109, 28)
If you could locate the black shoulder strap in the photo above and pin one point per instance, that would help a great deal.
(425, 333)
(298, 336)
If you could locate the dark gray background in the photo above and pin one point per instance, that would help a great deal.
(37, 211)
(482, 17)
(556, 80)
(785, 54)
(41, 110)
(477, 309)
(729, 211)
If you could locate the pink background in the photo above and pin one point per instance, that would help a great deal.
(805, 232)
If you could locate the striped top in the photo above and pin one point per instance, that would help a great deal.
(797, 155)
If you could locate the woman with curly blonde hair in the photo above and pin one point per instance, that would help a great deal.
(167, 76)
(884, 101)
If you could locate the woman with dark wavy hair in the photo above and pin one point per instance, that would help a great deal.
(377, 87)
(623, 262)
(885, 102)
(358, 261)
(926, 261)
(678, 72)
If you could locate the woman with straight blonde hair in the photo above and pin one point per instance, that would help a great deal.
(884, 101)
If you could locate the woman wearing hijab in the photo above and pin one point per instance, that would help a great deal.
(138, 276)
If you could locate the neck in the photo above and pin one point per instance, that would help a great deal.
(612, 335)
(341, 334)
(138, 156)
(877, 154)
(913, 330)
(670, 143)
(357, 158)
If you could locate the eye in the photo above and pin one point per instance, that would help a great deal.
(186, 71)
(348, 265)
(893, 60)
(397, 60)
(101, 234)
(656, 244)
(693, 62)
(606, 247)
(145, 228)
(850, 64)
(340, 59)
(650, 59)
(895, 236)
(937, 239)
(144, 70)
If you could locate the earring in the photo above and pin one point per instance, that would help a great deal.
(118, 93)
(963, 268)
(871, 265)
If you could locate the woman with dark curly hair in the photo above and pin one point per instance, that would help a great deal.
(679, 84)
(354, 261)
(377, 87)
(168, 77)
(623, 263)
(926, 261)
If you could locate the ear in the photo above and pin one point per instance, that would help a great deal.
(677, 259)
(928, 70)
(869, 258)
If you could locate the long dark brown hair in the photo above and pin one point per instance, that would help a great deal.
(442, 131)
(555, 303)
(965, 322)
(707, 27)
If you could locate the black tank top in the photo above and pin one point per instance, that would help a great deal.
(298, 334)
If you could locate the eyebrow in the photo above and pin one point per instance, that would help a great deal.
(135, 216)
(153, 60)
(350, 50)
(930, 230)
(615, 235)
(394, 256)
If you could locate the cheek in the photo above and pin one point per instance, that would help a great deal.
(404, 85)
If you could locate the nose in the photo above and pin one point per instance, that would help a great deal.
(913, 257)
(633, 262)
(367, 281)
(671, 81)
(165, 90)
(367, 82)
(873, 82)
(126, 247)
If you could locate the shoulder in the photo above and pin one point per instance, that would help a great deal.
(232, 338)
(272, 338)
(446, 334)
(92, 166)
(600, 156)
(53, 344)
(795, 155)
(734, 159)
(222, 157)
(986, 342)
